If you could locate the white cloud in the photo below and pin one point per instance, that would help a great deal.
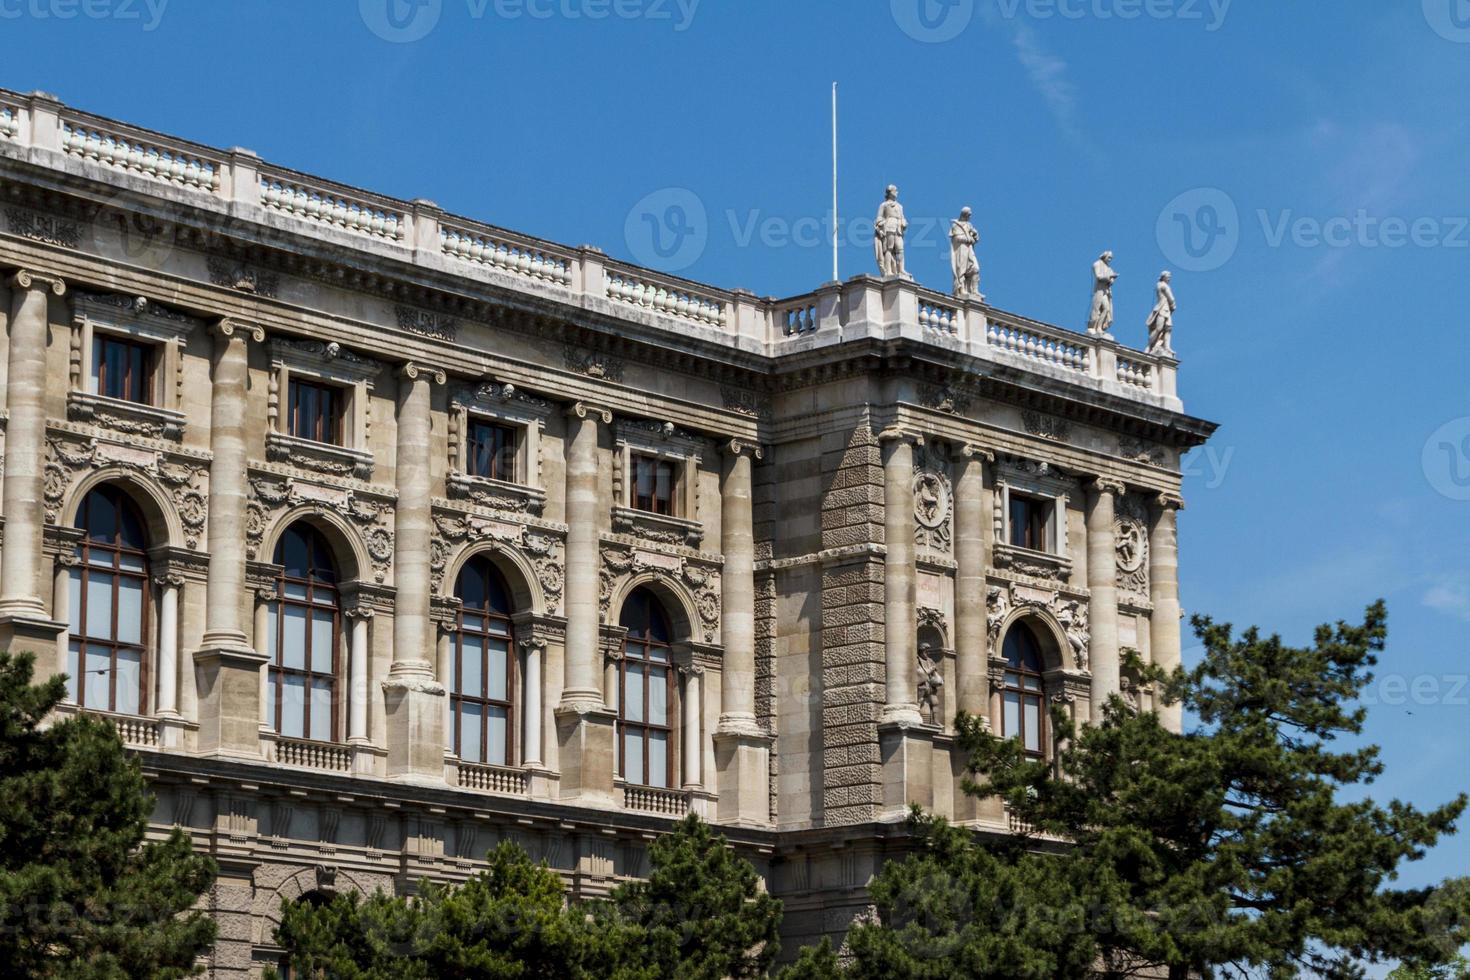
(1049, 74)
(1450, 596)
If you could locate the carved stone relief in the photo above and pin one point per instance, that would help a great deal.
(933, 500)
(619, 563)
(1070, 613)
(270, 496)
(1130, 532)
(185, 479)
(540, 550)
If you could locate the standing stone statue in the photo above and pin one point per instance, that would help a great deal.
(966, 267)
(1100, 321)
(888, 231)
(1161, 320)
(931, 679)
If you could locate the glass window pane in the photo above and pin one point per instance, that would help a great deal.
(130, 561)
(469, 733)
(1011, 715)
(293, 707)
(496, 681)
(293, 653)
(97, 688)
(323, 641)
(97, 348)
(272, 622)
(270, 698)
(295, 590)
(471, 666)
(99, 605)
(74, 601)
(497, 722)
(633, 693)
(130, 601)
(658, 758)
(129, 681)
(658, 654)
(321, 710)
(633, 756)
(1033, 725)
(73, 670)
(658, 697)
(475, 623)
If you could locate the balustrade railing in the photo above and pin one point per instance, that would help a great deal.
(292, 195)
(138, 154)
(1037, 344)
(797, 318)
(1135, 373)
(938, 316)
(135, 730)
(648, 799)
(313, 755)
(505, 253)
(493, 779)
(637, 289)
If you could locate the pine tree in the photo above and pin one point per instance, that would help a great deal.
(81, 894)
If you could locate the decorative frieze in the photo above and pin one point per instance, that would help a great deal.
(952, 399)
(426, 323)
(1046, 426)
(184, 478)
(537, 548)
(593, 363)
(272, 495)
(243, 278)
(50, 229)
(699, 579)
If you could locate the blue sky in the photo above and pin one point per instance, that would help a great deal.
(1313, 153)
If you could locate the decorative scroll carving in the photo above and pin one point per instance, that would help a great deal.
(1046, 426)
(1069, 612)
(183, 478)
(270, 496)
(1130, 534)
(933, 500)
(44, 227)
(703, 581)
(541, 551)
(426, 324)
(594, 364)
(241, 277)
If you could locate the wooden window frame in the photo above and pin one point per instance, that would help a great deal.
(512, 437)
(277, 668)
(339, 397)
(145, 392)
(650, 505)
(636, 651)
(458, 698)
(116, 573)
(1015, 684)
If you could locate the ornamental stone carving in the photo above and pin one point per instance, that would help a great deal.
(1130, 532)
(594, 364)
(1046, 426)
(271, 496)
(183, 478)
(951, 399)
(1070, 613)
(702, 581)
(541, 551)
(931, 680)
(933, 500)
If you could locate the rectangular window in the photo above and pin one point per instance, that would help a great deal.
(315, 412)
(492, 451)
(1030, 522)
(122, 369)
(653, 485)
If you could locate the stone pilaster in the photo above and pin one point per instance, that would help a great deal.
(972, 537)
(1163, 578)
(1102, 583)
(584, 724)
(742, 749)
(24, 623)
(900, 581)
(413, 696)
(229, 671)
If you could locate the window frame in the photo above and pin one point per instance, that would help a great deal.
(1015, 685)
(457, 697)
(637, 461)
(644, 660)
(277, 672)
(1035, 505)
(146, 391)
(513, 436)
(339, 398)
(82, 572)
(129, 319)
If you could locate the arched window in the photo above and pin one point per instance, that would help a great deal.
(645, 678)
(106, 666)
(304, 627)
(483, 677)
(1023, 697)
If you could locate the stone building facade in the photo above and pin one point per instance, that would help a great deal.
(384, 535)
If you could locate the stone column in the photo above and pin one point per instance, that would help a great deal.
(900, 581)
(742, 749)
(168, 645)
(24, 623)
(531, 702)
(1102, 582)
(693, 747)
(357, 675)
(229, 670)
(1163, 587)
(972, 536)
(413, 696)
(583, 722)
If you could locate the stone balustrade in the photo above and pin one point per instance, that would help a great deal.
(136, 731)
(494, 779)
(237, 184)
(664, 802)
(306, 754)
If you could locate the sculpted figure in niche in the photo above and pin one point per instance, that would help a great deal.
(966, 267)
(1100, 320)
(888, 232)
(931, 679)
(1161, 320)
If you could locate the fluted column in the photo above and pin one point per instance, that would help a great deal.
(22, 607)
(413, 696)
(900, 581)
(1163, 579)
(1102, 583)
(231, 699)
(584, 723)
(972, 536)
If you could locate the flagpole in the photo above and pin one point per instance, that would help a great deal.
(834, 182)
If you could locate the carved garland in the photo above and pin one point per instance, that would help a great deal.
(542, 551)
(619, 563)
(271, 496)
(185, 480)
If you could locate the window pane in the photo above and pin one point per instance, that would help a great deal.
(474, 623)
(293, 654)
(132, 562)
(496, 681)
(633, 693)
(471, 676)
(272, 623)
(98, 347)
(658, 758)
(270, 698)
(321, 710)
(497, 722)
(73, 670)
(1033, 725)
(658, 654)
(129, 681)
(1011, 715)
(295, 590)
(130, 601)
(97, 688)
(633, 757)
(293, 708)
(99, 605)
(323, 641)
(658, 697)
(74, 601)
(469, 733)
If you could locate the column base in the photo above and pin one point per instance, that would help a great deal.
(229, 701)
(584, 733)
(906, 715)
(907, 752)
(414, 714)
(365, 756)
(743, 775)
(29, 630)
(542, 783)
